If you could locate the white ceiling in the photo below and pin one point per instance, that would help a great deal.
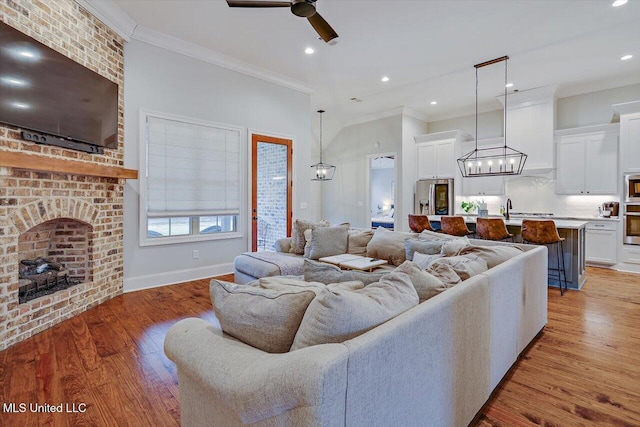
(427, 48)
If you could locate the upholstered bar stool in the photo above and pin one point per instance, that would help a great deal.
(544, 232)
(455, 226)
(492, 229)
(419, 223)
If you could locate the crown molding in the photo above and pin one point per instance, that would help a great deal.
(111, 15)
(165, 41)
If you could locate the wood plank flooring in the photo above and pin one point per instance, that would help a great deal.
(583, 370)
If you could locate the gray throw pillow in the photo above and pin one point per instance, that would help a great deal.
(427, 247)
(338, 314)
(493, 255)
(265, 316)
(423, 260)
(426, 284)
(465, 266)
(445, 273)
(329, 241)
(297, 234)
(389, 245)
(322, 272)
(358, 241)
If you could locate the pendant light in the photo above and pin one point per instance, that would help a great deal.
(492, 161)
(324, 171)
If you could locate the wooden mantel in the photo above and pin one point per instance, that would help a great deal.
(42, 163)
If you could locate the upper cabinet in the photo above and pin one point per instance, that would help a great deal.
(629, 136)
(437, 155)
(587, 160)
(530, 126)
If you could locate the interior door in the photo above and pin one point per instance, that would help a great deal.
(271, 191)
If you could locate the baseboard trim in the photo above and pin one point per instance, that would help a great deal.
(171, 278)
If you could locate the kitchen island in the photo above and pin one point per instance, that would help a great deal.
(574, 246)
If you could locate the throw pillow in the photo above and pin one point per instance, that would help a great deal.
(454, 246)
(465, 266)
(297, 234)
(329, 241)
(388, 245)
(322, 272)
(432, 235)
(427, 247)
(426, 284)
(264, 318)
(340, 314)
(358, 241)
(423, 260)
(493, 255)
(445, 273)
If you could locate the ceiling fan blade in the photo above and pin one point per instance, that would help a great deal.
(241, 3)
(322, 27)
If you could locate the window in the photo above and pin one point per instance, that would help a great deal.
(191, 188)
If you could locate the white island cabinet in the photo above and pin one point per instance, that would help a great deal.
(587, 160)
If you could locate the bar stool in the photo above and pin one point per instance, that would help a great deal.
(419, 223)
(493, 229)
(454, 226)
(544, 232)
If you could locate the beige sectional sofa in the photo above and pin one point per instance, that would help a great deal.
(434, 365)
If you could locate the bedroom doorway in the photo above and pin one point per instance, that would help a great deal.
(382, 190)
(271, 191)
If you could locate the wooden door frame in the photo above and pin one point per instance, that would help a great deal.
(255, 138)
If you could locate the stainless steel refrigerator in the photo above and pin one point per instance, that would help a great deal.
(434, 197)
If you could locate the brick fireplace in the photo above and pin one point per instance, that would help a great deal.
(73, 214)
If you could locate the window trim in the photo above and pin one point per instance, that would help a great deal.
(142, 178)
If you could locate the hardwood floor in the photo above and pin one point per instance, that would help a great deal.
(583, 370)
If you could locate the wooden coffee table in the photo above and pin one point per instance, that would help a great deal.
(354, 262)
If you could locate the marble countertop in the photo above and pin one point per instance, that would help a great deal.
(517, 222)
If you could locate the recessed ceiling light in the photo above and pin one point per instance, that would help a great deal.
(308, 51)
(509, 85)
(624, 58)
(618, 3)
(434, 102)
(384, 79)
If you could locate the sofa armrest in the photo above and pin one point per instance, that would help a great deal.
(256, 385)
(283, 245)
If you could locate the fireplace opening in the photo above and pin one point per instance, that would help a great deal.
(54, 255)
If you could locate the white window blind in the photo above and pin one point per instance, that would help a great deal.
(192, 169)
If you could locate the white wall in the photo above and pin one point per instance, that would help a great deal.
(408, 170)
(490, 124)
(593, 108)
(344, 199)
(160, 80)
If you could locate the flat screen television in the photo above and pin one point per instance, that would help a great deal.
(45, 92)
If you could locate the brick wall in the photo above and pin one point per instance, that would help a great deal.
(82, 204)
(272, 194)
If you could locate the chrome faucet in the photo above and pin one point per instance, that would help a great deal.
(509, 206)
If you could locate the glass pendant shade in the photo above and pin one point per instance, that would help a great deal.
(323, 171)
(492, 161)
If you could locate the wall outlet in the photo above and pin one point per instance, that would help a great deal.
(196, 254)
(303, 205)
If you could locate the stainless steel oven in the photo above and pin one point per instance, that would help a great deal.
(632, 188)
(631, 220)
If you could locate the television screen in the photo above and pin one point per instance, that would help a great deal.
(44, 91)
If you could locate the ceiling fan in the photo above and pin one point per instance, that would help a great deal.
(302, 8)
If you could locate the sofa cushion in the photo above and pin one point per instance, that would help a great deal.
(297, 234)
(432, 235)
(329, 241)
(388, 245)
(265, 316)
(427, 247)
(358, 241)
(426, 284)
(493, 255)
(454, 246)
(339, 314)
(423, 260)
(465, 266)
(322, 272)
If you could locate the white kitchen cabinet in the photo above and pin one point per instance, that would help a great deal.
(587, 160)
(629, 136)
(437, 154)
(601, 242)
